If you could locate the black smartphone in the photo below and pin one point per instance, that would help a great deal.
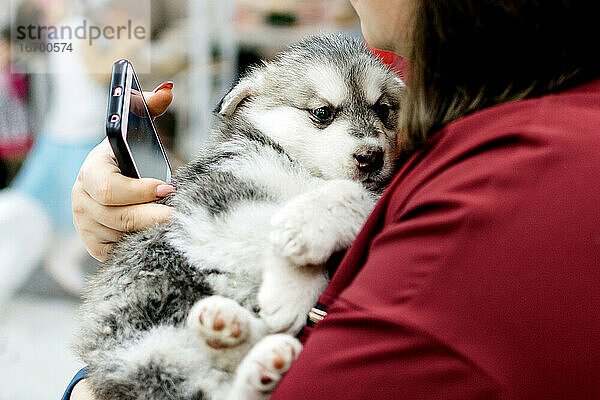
(130, 129)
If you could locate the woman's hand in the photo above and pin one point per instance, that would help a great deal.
(107, 204)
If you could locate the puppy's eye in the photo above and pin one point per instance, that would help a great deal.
(323, 114)
(382, 110)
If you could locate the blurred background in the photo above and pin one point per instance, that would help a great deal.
(52, 112)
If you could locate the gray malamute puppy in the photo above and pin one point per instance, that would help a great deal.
(202, 307)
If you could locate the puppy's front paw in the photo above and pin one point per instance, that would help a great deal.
(313, 226)
(268, 360)
(297, 233)
(220, 321)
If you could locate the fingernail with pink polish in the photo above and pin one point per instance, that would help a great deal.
(164, 85)
(164, 190)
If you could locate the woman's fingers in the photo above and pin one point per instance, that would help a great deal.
(100, 226)
(136, 217)
(129, 218)
(98, 239)
(107, 204)
(101, 179)
(158, 100)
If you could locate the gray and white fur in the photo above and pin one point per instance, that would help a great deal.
(204, 306)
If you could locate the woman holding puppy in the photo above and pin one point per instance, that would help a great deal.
(477, 274)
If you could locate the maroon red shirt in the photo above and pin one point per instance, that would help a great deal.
(478, 274)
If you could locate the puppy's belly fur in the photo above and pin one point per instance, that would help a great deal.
(236, 242)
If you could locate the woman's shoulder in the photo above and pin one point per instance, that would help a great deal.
(561, 114)
(571, 116)
(515, 146)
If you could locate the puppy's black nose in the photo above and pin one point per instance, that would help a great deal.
(369, 161)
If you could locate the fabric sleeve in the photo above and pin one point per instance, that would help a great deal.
(81, 374)
(355, 355)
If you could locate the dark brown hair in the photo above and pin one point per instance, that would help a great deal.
(472, 54)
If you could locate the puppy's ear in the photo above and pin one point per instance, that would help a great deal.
(246, 87)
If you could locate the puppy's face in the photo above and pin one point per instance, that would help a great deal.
(334, 112)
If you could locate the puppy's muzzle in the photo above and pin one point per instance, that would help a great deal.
(369, 160)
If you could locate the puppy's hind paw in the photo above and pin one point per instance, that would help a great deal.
(220, 321)
(269, 359)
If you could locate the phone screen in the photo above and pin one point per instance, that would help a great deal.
(140, 135)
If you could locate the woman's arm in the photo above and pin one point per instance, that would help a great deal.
(82, 391)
